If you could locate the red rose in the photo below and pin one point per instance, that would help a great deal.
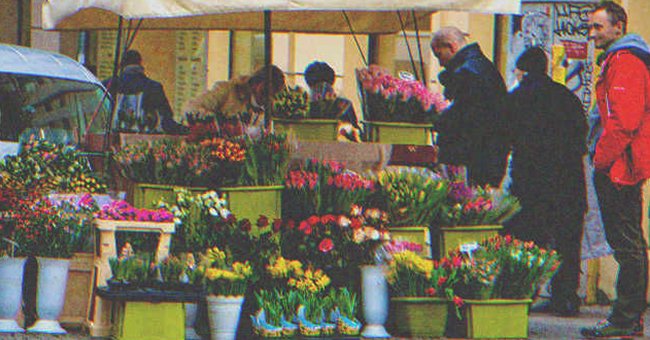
(313, 220)
(277, 225)
(356, 223)
(262, 222)
(458, 301)
(326, 245)
(246, 225)
(430, 291)
(441, 281)
(305, 227)
(327, 219)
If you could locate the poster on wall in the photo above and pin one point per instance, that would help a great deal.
(105, 53)
(556, 23)
(191, 67)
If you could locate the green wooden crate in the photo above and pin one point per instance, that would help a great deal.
(419, 235)
(147, 195)
(150, 321)
(251, 202)
(452, 237)
(418, 316)
(399, 133)
(497, 319)
(308, 129)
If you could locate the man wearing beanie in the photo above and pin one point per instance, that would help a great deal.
(622, 163)
(547, 130)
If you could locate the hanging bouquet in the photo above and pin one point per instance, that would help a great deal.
(412, 197)
(224, 276)
(43, 166)
(504, 268)
(477, 205)
(292, 102)
(266, 160)
(390, 99)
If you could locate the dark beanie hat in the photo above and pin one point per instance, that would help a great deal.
(318, 72)
(533, 60)
(131, 57)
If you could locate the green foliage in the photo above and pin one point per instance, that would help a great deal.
(267, 160)
(292, 102)
(134, 269)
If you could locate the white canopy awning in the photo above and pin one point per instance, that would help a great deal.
(366, 16)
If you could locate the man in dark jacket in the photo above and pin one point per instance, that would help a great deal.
(470, 130)
(547, 127)
(140, 102)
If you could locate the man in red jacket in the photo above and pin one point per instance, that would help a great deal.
(622, 162)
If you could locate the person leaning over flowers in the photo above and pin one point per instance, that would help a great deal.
(241, 97)
(320, 78)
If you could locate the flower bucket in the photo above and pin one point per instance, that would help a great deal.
(452, 237)
(418, 235)
(50, 294)
(251, 202)
(374, 294)
(492, 319)
(307, 129)
(11, 289)
(191, 310)
(147, 195)
(223, 314)
(418, 316)
(399, 133)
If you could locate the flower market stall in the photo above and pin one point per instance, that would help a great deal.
(321, 261)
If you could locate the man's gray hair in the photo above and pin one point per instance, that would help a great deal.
(449, 34)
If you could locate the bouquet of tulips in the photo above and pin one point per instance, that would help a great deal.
(266, 160)
(292, 102)
(412, 197)
(390, 99)
(504, 268)
(477, 205)
(43, 166)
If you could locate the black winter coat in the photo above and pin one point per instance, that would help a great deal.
(470, 131)
(547, 127)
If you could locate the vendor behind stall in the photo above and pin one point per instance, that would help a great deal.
(320, 78)
(240, 99)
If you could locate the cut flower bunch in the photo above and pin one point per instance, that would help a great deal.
(390, 99)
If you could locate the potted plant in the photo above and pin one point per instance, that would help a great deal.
(129, 271)
(259, 184)
(226, 282)
(497, 280)
(473, 214)
(414, 200)
(50, 232)
(420, 291)
(300, 118)
(397, 111)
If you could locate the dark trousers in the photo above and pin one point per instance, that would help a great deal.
(620, 207)
(554, 223)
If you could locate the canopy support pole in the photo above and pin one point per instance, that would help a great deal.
(268, 60)
(408, 46)
(417, 36)
(356, 41)
(116, 64)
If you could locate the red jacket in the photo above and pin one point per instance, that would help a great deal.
(623, 92)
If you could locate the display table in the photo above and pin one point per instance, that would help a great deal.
(148, 314)
(100, 326)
